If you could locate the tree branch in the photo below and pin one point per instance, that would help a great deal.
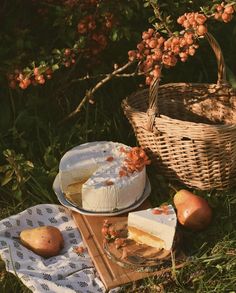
(89, 93)
(88, 77)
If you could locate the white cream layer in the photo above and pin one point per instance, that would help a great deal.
(160, 225)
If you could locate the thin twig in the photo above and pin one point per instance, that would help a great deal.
(89, 93)
(159, 16)
(88, 77)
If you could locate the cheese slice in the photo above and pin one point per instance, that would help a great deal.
(156, 230)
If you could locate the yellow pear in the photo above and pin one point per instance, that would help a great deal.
(45, 240)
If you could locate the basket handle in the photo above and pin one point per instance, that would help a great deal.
(152, 111)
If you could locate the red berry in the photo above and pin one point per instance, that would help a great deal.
(219, 8)
(82, 28)
(67, 52)
(36, 71)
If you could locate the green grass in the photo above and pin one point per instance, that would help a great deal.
(33, 130)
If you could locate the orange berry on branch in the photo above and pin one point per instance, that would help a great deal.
(181, 19)
(191, 51)
(150, 31)
(67, 52)
(229, 9)
(226, 17)
(36, 71)
(153, 43)
(201, 30)
(219, 7)
(200, 18)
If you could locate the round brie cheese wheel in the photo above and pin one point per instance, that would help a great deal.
(90, 173)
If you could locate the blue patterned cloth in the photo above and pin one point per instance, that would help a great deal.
(67, 272)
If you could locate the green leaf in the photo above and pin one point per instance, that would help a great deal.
(4, 168)
(9, 153)
(7, 178)
(29, 164)
(14, 186)
(18, 194)
(114, 35)
(55, 67)
(56, 51)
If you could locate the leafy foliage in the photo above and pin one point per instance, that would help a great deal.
(15, 172)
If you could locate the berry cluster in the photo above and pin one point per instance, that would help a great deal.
(25, 79)
(87, 24)
(194, 21)
(38, 75)
(108, 231)
(224, 12)
(93, 34)
(155, 51)
(68, 57)
(97, 29)
(111, 234)
(135, 160)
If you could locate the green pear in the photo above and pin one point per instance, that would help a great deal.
(45, 240)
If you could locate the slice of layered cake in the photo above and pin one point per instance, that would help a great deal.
(154, 227)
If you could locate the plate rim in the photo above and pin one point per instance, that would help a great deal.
(60, 196)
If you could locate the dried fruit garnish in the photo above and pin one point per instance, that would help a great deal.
(79, 249)
(164, 209)
(157, 211)
(123, 173)
(108, 183)
(109, 159)
(123, 150)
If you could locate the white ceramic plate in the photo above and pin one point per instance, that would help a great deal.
(65, 203)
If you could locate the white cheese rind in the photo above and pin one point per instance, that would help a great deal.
(162, 225)
(90, 161)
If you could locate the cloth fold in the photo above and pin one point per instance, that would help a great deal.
(67, 272)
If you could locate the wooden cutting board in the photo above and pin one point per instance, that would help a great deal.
(112, 274)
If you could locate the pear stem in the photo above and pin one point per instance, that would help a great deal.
(172, 187)
(16, 238)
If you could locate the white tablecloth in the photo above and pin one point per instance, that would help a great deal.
(67, 272)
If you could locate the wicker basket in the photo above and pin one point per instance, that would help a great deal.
(189, 129)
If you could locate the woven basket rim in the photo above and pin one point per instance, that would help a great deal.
(184, 123)
(190, 84)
